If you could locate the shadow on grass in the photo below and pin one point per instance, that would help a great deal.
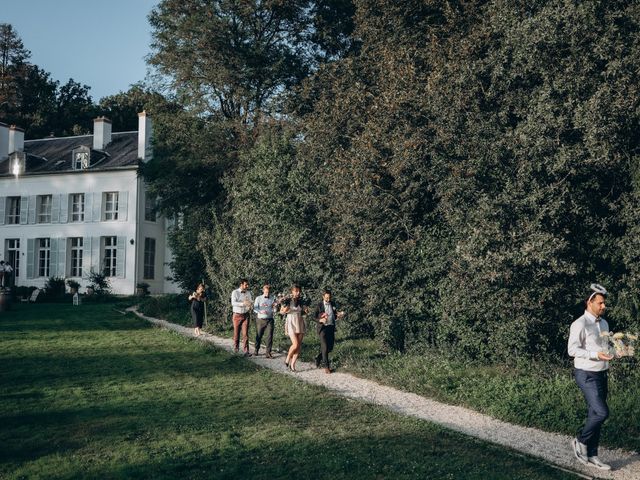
(155, 405)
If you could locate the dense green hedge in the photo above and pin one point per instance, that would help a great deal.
(459, 179)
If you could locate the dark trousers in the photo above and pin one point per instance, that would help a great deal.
(594, 386)
(241, 323)
(264, 325)
(327, 334)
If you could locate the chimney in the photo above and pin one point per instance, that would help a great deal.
(144, 136)
(4, 141)
(101, 133)
(16, 139)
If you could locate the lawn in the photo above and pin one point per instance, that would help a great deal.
(87, 392)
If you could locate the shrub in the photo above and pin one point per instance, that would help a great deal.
(100, 283)
(54, 287)
(72, 284)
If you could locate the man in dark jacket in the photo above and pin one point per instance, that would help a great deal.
(326, 316)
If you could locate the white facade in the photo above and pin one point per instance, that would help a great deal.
(70, 221)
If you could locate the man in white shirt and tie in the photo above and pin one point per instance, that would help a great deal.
(590, 351)
(241, 302)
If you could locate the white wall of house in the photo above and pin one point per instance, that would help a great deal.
(61, 227)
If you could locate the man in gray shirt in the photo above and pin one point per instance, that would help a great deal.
(591, 360)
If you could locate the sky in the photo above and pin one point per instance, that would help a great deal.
(99, 43)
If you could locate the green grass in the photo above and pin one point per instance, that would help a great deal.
(541, 394)
(86, 392)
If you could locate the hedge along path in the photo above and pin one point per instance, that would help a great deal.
(553, 448)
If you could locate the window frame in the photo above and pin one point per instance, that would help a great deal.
(149, 259)
(109, 256)
(80, 214)
(44, 209)
(44, 255)
(76, 249)
(15, 248)
(111, 201)
(15, 202)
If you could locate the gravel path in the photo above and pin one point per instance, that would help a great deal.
(552, 447)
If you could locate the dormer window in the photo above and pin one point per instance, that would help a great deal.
(81, 156)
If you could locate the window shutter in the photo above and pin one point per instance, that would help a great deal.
(32, 209)
(3, 202)
(95, 255)
(88, 207)
(53, 259)
(24, 210)
(123, 198)
(64, 208)
(55, 209)
(121, 261)
(31, 256)
(86, 256)
(97, 210)
(62, 257)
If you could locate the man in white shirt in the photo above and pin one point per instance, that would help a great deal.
(591, 360)
(241, 302)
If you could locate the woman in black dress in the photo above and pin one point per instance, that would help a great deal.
(197, 300)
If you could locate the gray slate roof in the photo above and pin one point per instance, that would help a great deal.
(54, 155)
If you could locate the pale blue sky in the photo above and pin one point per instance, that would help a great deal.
(100, 43)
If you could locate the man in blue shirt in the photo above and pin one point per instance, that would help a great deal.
(263, 308)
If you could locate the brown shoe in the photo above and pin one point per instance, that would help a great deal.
(268, 355)
(326, 370)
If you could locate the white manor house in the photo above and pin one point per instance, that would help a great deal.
(72, 205)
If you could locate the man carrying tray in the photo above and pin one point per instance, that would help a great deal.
(590, 351)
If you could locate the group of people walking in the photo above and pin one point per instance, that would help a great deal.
(292, 307)
(587, 345)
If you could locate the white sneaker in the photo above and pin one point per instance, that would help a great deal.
(580, 451)
(595, 462)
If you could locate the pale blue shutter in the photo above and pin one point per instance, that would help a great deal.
(31, 257)
(24, 210)
(64, 208)
(88, 207)
(123, 198)
(32, 209)
(55, 209)
(97, 210)
(121, 250)
(3, 202)
(62, 257)
(53, 258)
(95, 255)
(86, 256)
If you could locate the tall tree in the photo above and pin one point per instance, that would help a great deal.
(13, 63)
(229, 63)
(75, 110)
(122, 108)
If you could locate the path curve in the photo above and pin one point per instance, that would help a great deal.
(552, 447)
